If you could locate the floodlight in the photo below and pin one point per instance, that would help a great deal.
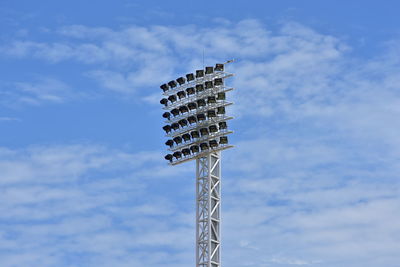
(201, 117)
(213, 143)
(219, 67)
(218, 82)
(194, 149)
(178, 140)
(167, 128)
(164, 87)
(210, 113)
(186, 137)
(192, 119)
(177, 155)
(203, 146)
(172, 98)
(196, 126)
(186, 152)
(192, 105)
(166, 115)
(175, 112)
(164, 102)
(222, 125)
(195, 134)
(181, 80)
(213, 128)
(183, 122)
(169, 157)
(172, 84)
(199, 73)
(190, 77)
(183, 109)
(203, 131)
(201, 103)
(181, 94)
(190, 91)
(223, 140)
(221, 96)
(199, 88)
(208, 84)
(211, 100)
(170, 143)
(209, 70)
(175, 126)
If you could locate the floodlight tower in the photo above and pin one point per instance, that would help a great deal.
(196, 125)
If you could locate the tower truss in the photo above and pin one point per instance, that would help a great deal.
(208, 210)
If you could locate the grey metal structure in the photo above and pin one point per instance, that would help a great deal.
(208, 210)
(196, 123)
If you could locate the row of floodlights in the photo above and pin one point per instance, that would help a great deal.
(196, 134)
(191, 91)
(223, 140)
(194, 105)
(191, 77)
(192, 119)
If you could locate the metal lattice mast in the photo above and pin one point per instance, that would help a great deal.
(196, 125)
(208, 205)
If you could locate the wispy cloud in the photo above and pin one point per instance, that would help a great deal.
(6, 119)
(43, 90)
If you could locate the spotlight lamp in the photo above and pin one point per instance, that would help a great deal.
(196, 126)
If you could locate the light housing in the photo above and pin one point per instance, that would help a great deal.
(209, 70)
(199, 73)
(190, 77)
(181, 80)
(219, 67)
(172, 84)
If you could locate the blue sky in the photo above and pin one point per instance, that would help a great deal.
(313, 179)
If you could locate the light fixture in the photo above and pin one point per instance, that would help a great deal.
(223, 140)
(186, 151)
(199, 88)
(169, 157)
(164, 87)
(166, 115)
(221, 96)
(209, 70)
(192, 106)
(170, 143)
(172, 98)
(177, 154)
(199, 73)
(189, 77)
(181, 94)
(167, 128)
(211, 100)
(219, 67)
(181, 80)
(218, 82)
(164, 102)
(175, 112)
(196, 127)
(213, 143)
(208, 84)
(203, 131)
(201, 103)
(190, 91)
(172, 84)
(203, 146)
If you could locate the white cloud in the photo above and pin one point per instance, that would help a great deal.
(43, 90)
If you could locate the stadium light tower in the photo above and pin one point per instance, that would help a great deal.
(196, 125)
